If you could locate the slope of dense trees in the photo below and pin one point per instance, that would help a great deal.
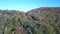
(36, 21)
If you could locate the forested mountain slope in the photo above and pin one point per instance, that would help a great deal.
(37, 21)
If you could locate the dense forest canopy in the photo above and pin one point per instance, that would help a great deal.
(36, 21)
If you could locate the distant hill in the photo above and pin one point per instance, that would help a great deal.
(44, 20)
(49, 16)
(37, 10)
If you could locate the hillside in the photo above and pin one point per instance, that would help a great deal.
(45, 20)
